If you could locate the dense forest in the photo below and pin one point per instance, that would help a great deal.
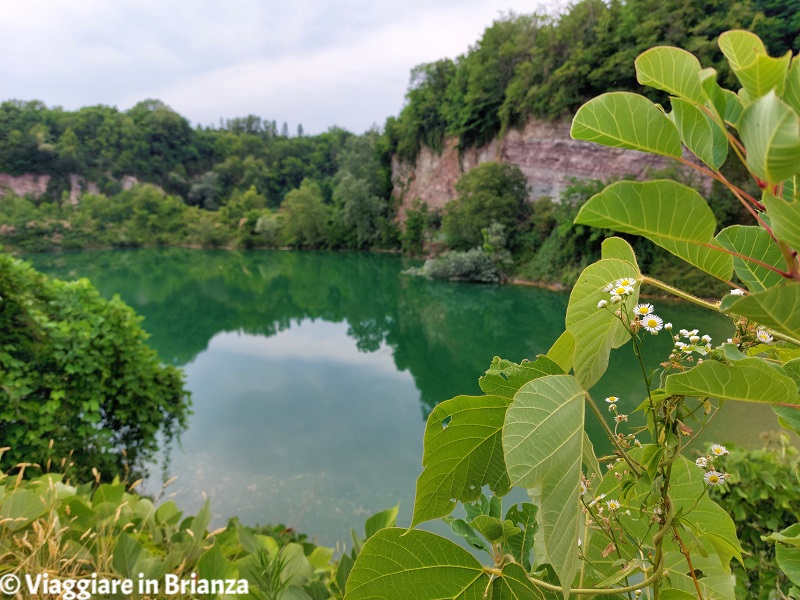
(245, 183)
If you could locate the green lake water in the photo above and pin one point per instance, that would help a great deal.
(312, 373)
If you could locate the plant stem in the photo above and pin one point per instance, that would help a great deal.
(685, 552)
(679, 293)
(614, 440)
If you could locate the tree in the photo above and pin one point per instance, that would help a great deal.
(359, 210)
(77, 372)
(306, 217)
(492, 192)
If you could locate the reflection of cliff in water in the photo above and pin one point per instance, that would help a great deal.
(444, 334)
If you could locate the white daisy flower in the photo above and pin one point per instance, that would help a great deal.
(613, 505)
(602, 304)
(612, 399)
(609, 287)
(701, 462)
(668, 326)
(763, 336)
(643, 309)
(694, 339)
(737, 292)
(706, 339)
(615, 299)
(684, 333)
(584, 488)
(626, 282)
(718, 450)
(680, 346)
(653, 323)
(712, 478)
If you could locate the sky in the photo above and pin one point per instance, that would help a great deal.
(318, 63)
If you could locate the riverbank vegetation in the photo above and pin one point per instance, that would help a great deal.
(247, 182)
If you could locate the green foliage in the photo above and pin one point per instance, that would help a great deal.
(647, 525)
(78, 379)
(547, 66)
(490, 193)
(305, 216)
(761, 496)
(51, 526)
(473, 265)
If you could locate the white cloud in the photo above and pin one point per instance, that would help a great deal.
(314, 62)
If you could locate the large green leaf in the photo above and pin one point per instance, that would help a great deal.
(399, 565)
(562, 350)
(543, 442)
(669, 214)
(757, 72)
(706, 520)
(788, 556)
(513, 584)
(596, 331)
(784, 218)
(22, 506)
(756, 243)
(791, 94)
(625, 120)
(615, 247)
(462, 452)
(770, 130)
(381, 520)
(788, 417)
(504, 377)
(701, 134)
(673, 70)
(749, 379)
(777, 308)
(523, 515)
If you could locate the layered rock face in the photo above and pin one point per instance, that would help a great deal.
(35, 186)
(544, 152)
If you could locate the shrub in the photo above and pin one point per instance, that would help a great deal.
(472, 265)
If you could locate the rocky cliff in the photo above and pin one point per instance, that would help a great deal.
(544, 152)
(35, 186)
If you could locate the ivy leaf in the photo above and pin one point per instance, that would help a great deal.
(398, 565)
(777, 308)
(504, 378)
(463, 529)
(770, 130)
(462, 453)
(756, 243)
(784, 218)
(749, 379)
(543, 442)
(625, 120)
(758, 72)
(700, 133)
(673, 70)
(669, 214)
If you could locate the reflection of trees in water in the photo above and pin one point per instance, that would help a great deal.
(445, 334)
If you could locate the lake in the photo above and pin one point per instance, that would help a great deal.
(312, 374)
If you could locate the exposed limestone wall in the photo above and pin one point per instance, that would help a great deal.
(544, 152)
(35, 186)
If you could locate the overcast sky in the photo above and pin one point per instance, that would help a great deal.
(315, 62)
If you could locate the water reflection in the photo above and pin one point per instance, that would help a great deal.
(311, 373)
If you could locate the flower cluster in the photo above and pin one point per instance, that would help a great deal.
(712, 476)
(695, 342)
(619, 289)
